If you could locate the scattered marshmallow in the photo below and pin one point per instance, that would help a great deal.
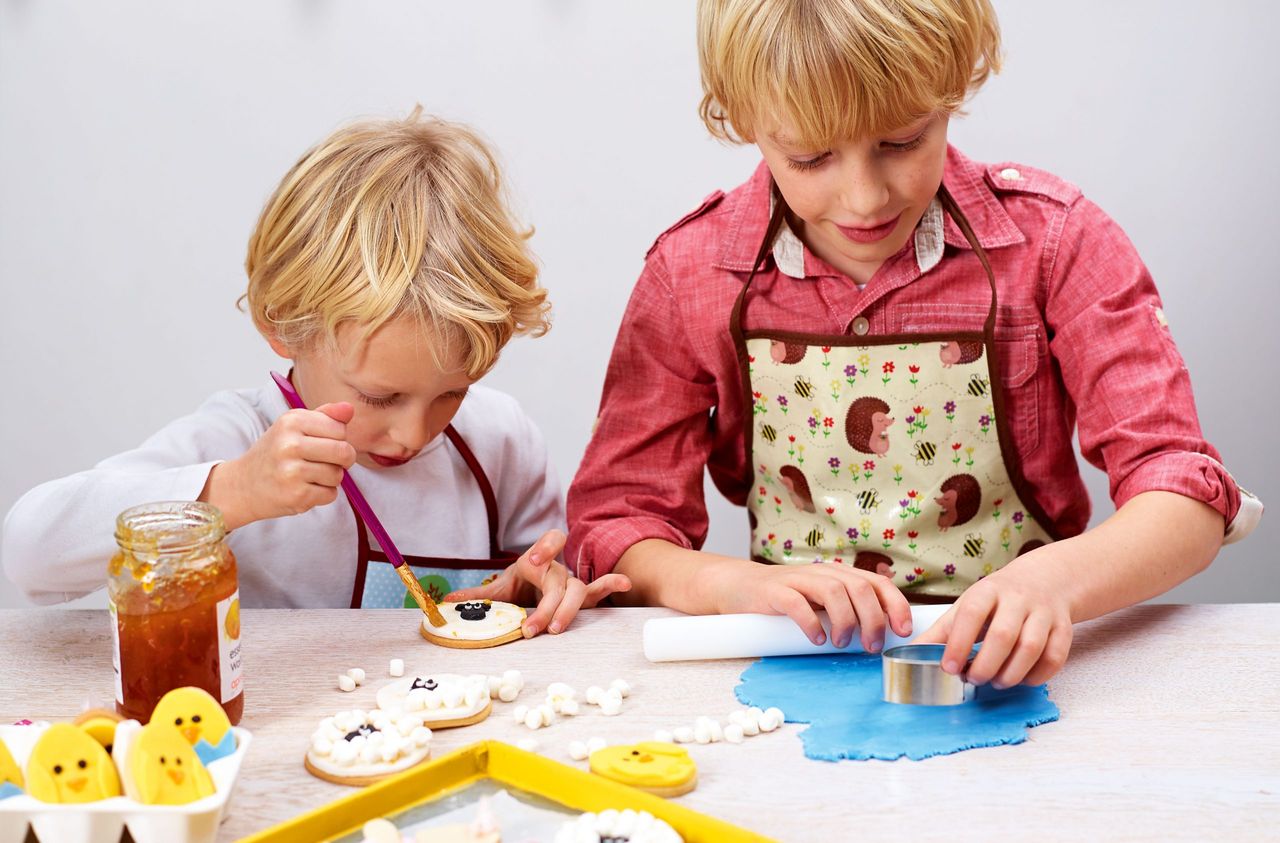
(561, 691)
(519, 713)
(595, 745)
(771, 720)
(611, 706)
(356, 674)
(508, 693)
(346, 683)
(569, 708)
(702, 731)
(663, 736)
(396, 667)
(528, 744)
(733, 733)
(717, 732)
(533, 718)
(578, 751)
(622, 686)
(594, 693)
(683, 735)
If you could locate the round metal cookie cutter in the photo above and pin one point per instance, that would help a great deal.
(913, 675)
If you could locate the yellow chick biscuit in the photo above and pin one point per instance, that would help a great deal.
(660, 768)
(165, 769)
(11, 782)
(198, 717)
(68, 766)
(99, 724)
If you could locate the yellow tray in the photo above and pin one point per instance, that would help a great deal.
(527, 771)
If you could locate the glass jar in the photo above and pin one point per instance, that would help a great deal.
(175, 607)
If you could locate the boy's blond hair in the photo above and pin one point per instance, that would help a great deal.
(388, 218)
(839, 69)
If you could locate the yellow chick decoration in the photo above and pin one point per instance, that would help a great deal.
(99, 724)
(68, 766)
(165, 769)
(663, 769)
(10, 775)
(196, 714)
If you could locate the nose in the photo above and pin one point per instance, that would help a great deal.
(863, 191)
(413, 429)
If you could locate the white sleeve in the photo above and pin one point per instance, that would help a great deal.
(528, 491)
(59, 537)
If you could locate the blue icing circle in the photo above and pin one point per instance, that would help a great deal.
(840, 697)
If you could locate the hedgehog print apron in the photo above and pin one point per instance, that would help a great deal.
(889, 453)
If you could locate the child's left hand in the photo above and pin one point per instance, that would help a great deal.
(1027, 617)
(538, 572)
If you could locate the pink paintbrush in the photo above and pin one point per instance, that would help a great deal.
(371, 521)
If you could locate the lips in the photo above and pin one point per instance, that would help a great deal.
(389, 462)
(869, 234)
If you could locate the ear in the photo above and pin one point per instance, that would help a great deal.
(278, 346)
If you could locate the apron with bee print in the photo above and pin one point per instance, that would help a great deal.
(886, 453)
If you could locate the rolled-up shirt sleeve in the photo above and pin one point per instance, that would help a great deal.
(642, 474)
(1136, 416)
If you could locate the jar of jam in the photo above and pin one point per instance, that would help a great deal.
(175, 607)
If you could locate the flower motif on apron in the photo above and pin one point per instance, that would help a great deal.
(887, 453)
(378, 586)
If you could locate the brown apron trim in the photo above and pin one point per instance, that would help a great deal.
(868, 341)
(495, 564)
(486, 488)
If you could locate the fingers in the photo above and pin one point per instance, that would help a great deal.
(787, 601)
(971, 613)
(831, 594)
(604, 586)
(500, 589)
(552, 583)
(335, 452)
(341, 412)
(575, 591)
(1002, 636)
(1054, 656)
(895, 605)
(939, 632)
(1026, 652)
(313, 423)
(534, 560)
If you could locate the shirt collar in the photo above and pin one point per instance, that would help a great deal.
(962, 177)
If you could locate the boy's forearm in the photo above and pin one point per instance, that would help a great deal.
(222, 490)
(664, 574)
(1154, 542)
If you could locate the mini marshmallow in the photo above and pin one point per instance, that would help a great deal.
(321, 745)
(578, 751)
(519, 713)
(357, 674)
(561, 690)
(769, 722)
(420, 736)
(407, 723)
(473, 695)
(594, 693)
(344, 754)
(595, 744)
(533, 719)
(512, 677)
(702, 732)
(683, 735)
(776, 713)
(611, 694)
(663, 736)
(396, 667)
(750, 727)
(368, 754)
(388, 752)
(548, 714)
(495, 682)
(528, 744)
(717, 733)
(622, 686)
(452, 696)
(346, 683)
(733, 733)
(611, 706)
(755, 713)
(508, 693)
(569, 708)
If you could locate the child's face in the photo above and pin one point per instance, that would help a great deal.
(858, 201)
(403, 399)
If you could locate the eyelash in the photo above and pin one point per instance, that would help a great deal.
(815, 163)
(390, 399)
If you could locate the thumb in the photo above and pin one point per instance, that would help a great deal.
(939, 632)
(340, 412)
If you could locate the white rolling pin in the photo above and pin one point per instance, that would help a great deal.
(697, 637)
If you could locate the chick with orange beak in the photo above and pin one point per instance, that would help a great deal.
(660, 768)
(198, 718)
(68, 766)
(164, 768)
(10, 774)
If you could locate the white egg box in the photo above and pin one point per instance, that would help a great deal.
(105, 821)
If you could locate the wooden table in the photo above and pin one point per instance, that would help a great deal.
(1170, 724)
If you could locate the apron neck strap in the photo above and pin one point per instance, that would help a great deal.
(949, 204)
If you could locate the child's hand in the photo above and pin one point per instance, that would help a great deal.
(295, 466)
(1027, 619)
(537, 571)
(852, 597)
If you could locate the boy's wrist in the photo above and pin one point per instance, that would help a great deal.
(221, 490)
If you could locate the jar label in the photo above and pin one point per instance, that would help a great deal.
(115, 650)
(228, 647)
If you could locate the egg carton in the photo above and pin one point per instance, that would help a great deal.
(105, 821)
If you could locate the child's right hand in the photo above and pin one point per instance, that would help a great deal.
(853, 598)
(296, 465)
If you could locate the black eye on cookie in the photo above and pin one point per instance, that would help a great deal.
(474, 611)
(366, 730)
(427, 684)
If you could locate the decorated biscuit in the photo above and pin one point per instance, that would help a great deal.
(358, 747)
(660, 768)
(11, 783)
(476, 623)
(626, 826)
(99, 724)
(68, 766)
(165, 768)
(200, 719)
(439, 700)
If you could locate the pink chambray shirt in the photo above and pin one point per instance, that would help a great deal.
(1079, 327)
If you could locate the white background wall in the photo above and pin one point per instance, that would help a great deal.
(138, 141)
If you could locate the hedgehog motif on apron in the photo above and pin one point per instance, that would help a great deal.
(887, 453)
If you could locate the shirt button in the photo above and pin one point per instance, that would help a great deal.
(861, 326)
(1010, 173)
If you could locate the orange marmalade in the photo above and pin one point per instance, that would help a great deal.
(175, 607)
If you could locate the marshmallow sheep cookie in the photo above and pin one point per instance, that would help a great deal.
(662, 769)
(68, 766)
(626, 826)
(11, 781)
(439, 700)
(475, 624)
(200, 719)
(358, 748)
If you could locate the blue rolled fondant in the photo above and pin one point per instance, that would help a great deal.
(208, 752)
(840, 697)
(8, 789)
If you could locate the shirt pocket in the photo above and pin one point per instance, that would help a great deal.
(1022, 348)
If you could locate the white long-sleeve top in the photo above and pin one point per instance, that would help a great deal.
(59, 537)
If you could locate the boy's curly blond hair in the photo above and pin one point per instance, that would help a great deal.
(839, 69)
(390, 218)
